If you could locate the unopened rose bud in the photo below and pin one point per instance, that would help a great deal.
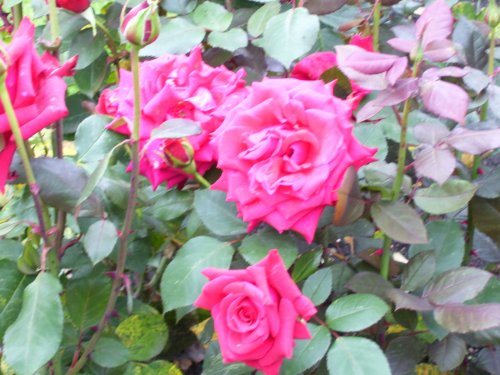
(188, 164)
(492, 16)
(141, 26)
(76, 6)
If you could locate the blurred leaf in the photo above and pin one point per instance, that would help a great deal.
(356, 356)
(457, 285)
(86, 300)
(91, 78)
(258, 21)
(485, 248)
(230, 40)
(306, 265)
(324, 6)
(318, 286)
(280, 39)
(475, 78)
(489, 184)
(369, 282)
(212, 16)
(176, 128)
(182, 280)
(355, 312)
(406, 318)
(408, 301)
(28, 344)
(448, 353)
(342, 87)
(181, 7)
(350, 204)
(219, 216)
(404, 353)
(144, 335)
(448, 197)
(153, 368)
(430, 133)
(435, 163)
(177, 36)
(419, 271)
(77, 112)
(382, 174)
(110, 352)
(473, 43)
(489, 360)
(307, 352)
(255, 247)
(486, 214)
(87, 46)
(473, 141)
(467, 318)
(213, 364)
(447, 240)
(399, 221)
(100, 240)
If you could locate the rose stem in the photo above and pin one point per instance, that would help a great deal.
(376, 24)
(477, 158)
(203, 182)
(17, 12)
(23, 153)
(398, 180)
(127, 224)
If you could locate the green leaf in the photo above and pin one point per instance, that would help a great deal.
(90, 79)
(87, 46)
(441, 199)
(447, 240)
(177, 36)
(341, 273)
(468, 318)
(212, 16)
(486, 214)
(474, 44)
(419, 271)
(86, 300)
(350, 204)
(230, 40)
(372, 136)
(35, 336)
(404, 353)
(307, 352)
(93, 141)
(213, 364)
(255, 247)
(408, 301)
(448, 353)
(172, 204)
(100, 240)
(306, 265)
(12, 284)
(319, 285)
(258, 21)
(289, 35)
(356, 356)
(94, 178)
(369, 282)
(355, 312)
(182, 280)
(176, 128)
(219, 216)
(10, 249)
(457, 285)
(153, 368)
(179, 6)
(399, 221)
(144, 335)
(110, 352)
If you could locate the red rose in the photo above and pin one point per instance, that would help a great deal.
(76, 6)
(36, 89)
(257, 312)
(284, 151)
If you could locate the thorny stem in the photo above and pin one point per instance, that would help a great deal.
(376, 24)
(127, 225)
(321, 322)
(477, 158)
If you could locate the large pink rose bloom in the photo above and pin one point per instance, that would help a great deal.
(284, 151)
(36, 89)
(257, 312)
(174, 87)
(313, 66)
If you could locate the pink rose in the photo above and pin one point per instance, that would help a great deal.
(257, 312)
(76, 6)
(313, 66)
(174, 87)
(36, 89)
(284, 152)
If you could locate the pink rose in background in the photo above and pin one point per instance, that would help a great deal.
(313, 66)
(174, 87)
(36, 89)
(284, 151)
(257, 312)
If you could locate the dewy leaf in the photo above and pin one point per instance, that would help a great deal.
(280, 39)
(308, 352)
(35, 336)
(419, 271)
(448, 353)
(182, 280)
(100, 240)
(448, 197)
(355, 312)
(468, 318)
(435, 163)
(399, 221)
(473, 142)
(356, 356)
(457, 285)
(258, 21)
(176, 128)
(212, 16)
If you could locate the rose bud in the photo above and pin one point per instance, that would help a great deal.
(492, 15)
(141, 25)
(76, 6)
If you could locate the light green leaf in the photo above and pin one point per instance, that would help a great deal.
(448, 197)
(212, 16)
(176, 128)
(29, 343)
(319, 285)
(356, 356)
(229, 40)
(355, 312)
(100, 240)
(372, 136)
(258, 21)
(87, 46)
(182, 280)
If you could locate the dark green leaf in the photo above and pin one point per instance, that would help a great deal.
(419, 271)
(489, 359)
(408, 301)
(172, 204)
(369, 282)
(306, 265)
(448, 353)
(404, 353)
(486, 214)
(474, 44)
(87, 46)
(110, 352)
(341, 274)
(485, 248)
(319, 285)
(90, 79)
